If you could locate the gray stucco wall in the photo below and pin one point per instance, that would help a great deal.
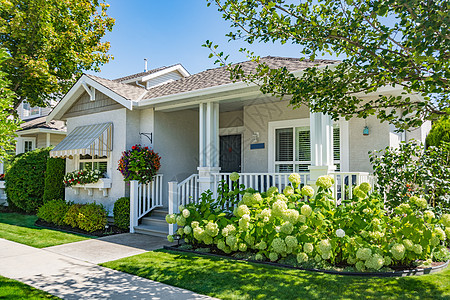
(120, 132)
(256, 119)
(176, 141)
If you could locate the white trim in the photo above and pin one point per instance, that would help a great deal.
(232, 130)
(47, 140)
(345, 145)
(77, 90)
(22, 144)
(304, 122)
(178, 68)
(40, 130)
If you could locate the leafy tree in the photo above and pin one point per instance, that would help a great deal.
(440, 132)
(399, 43)
(8, 125)
(50, 43)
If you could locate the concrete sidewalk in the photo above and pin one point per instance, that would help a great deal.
(71, 278)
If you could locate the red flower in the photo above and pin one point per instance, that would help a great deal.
(134, 147)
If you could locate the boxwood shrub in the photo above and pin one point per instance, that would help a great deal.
(122, 213)
(25, 180)
(53, 211)
(89, 217)
(54, 176)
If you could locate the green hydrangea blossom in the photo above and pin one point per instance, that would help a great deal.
(417, 249)
(440, 233)
(306, 210)
(243, 210)
(265, 214)
(244, 222)
(170, 238)
(365, 187)
(302, 257)
(408, 244)
(295, 178)
(212, 229)
(250, 240)
(242, 247)
(231, 240)
(234, 176)
(359, 193)
(308, 248)
(198, 233)
(287, 227)
(278, 208)
(351, 260)
(221, 244)
(273, 256)
(359, 266)
(446, 220)
(194, 224)
(187, 229)
(259, 257)
(180, 231)
(261, 245)
(324, 247)
(291, 215)
(398, 251)
(181, 221)
(441, 254)
(363, 253)
(186, 213)
(288, 191)
(307, 191)
(171, 218)
(291, 241)
(325, 181)
(278, 245)
(302, 219)
(428, 215)
(271, 191)
(375, 262)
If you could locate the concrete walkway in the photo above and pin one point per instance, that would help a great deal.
(69, 272)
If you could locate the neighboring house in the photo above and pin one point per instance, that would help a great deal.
(205, 126)
(35, 133)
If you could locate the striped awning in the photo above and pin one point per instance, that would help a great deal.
(90, 139)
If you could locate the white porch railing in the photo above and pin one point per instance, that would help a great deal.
(188, 190)
(144, 198)
(258, 181)
(345, 182)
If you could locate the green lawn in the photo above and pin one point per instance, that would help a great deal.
(12, 289)
(230, 279)
(21, 229)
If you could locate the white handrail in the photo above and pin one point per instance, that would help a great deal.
(346, 181)
(188, 190)
(144, 198)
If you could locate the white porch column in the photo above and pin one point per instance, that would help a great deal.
(208, 144)
(47, 142)
(321, 130)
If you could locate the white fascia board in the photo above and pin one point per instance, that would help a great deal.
(104, 90)
(77, 89)
(40, 130)
(178, 68)
(197, 93)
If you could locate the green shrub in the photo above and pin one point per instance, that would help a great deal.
(53, 211)
(89, 217)
(440, 132)
(54, 176)
(25, 180)
(122, 213)
(72, 215)
(282, 226)
(92, 217)
(411, 170)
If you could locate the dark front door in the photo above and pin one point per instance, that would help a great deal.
(230, 153)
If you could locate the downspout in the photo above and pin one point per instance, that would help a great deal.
(138, 84)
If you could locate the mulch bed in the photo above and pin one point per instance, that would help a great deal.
(398, 271)
(111, 230)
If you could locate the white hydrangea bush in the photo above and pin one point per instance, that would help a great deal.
(280, 225)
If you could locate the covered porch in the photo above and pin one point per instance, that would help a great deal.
(261, 138)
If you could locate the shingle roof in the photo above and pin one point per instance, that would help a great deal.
(221, 76)
(137, 75)
(128, 91)
(39, 123)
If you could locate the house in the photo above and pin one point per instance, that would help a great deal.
(205, 126)
(34, 133)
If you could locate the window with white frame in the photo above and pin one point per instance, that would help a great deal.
(28, 145)
(293, 148)
(88, 162)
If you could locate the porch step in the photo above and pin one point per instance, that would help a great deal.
(151, 230)
(155, 224)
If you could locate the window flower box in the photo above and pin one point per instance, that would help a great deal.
(103, 184)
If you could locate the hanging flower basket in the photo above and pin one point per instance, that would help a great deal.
(140, 163)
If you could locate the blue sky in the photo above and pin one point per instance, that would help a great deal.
(170, 32)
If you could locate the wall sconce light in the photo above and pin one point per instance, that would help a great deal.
(255, 137)
(366, 130)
